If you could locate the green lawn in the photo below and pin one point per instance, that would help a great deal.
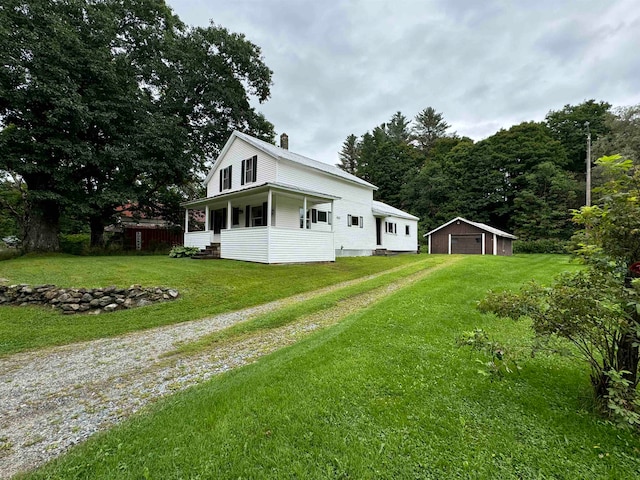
(206, 288)
(384, 394)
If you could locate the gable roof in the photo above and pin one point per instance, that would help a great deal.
(482, 226)
(284, 154)
(380, 208)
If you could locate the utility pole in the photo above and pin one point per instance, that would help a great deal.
(586, 124)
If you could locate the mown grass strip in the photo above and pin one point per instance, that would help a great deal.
(206, 288)
(290, 314)
(384, 394)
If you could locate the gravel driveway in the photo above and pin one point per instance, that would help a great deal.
(57, 397)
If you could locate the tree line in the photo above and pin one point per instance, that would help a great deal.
(525, 179)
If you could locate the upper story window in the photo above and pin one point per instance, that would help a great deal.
(249, 169)
(406, 229)
(225, 178)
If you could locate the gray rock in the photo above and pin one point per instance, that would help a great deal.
(111, 307)
(104, 301)
(172, 293)
(86, 298)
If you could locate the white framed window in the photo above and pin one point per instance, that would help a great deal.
(225, 178)
(249, 168)
(390, 227)
(355, 221)
(322, 217)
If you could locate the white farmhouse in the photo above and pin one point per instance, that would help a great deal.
(269, 205)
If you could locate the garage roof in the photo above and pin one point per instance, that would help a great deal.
(482, 226)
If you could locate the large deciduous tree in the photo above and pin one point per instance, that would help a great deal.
(623, 136)
(106, 102)
(568, 127)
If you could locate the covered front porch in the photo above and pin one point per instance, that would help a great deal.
(269, 223)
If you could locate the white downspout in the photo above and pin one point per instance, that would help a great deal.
(483, 245)
(304, 212)
(429, 239)
(495, 244)
(449, 244)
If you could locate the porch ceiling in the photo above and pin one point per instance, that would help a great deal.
(260, 189)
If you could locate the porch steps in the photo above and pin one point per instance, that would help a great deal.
(381, 252)
(208, 253)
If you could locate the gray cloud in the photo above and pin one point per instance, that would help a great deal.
(343, 67)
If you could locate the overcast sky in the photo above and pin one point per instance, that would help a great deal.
(345, 66)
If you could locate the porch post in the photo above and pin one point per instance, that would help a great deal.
(304, 209)
(206, 216)
(186, 220)
(269, 202)
(229, 217)
(483, 245)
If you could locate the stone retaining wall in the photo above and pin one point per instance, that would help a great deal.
(89, 300)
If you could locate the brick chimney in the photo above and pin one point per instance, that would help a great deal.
(284, 141)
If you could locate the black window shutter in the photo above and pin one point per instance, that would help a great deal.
(242, 173)
(361, 222)
(230, 176)
(220, 180)
(247, 216)
(348, 220)
(255, 168)
(314, 215)
(264, 214)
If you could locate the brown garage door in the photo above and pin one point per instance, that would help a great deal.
(466, 244)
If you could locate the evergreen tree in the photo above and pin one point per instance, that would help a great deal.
(350, 155)
(429, 125)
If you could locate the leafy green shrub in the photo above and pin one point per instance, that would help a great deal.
(178, 252)
(501, 361)
(75, 244)
(546, 245)
(622, 398)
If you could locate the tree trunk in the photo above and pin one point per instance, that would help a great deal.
(96, 223)
(628, 355)
(42, 227)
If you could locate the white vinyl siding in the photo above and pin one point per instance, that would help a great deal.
(300, 245)
(399, 242)
(248, 244)
(239, 151)
(277, 245)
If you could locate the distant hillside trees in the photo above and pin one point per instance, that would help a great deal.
(524, 179)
